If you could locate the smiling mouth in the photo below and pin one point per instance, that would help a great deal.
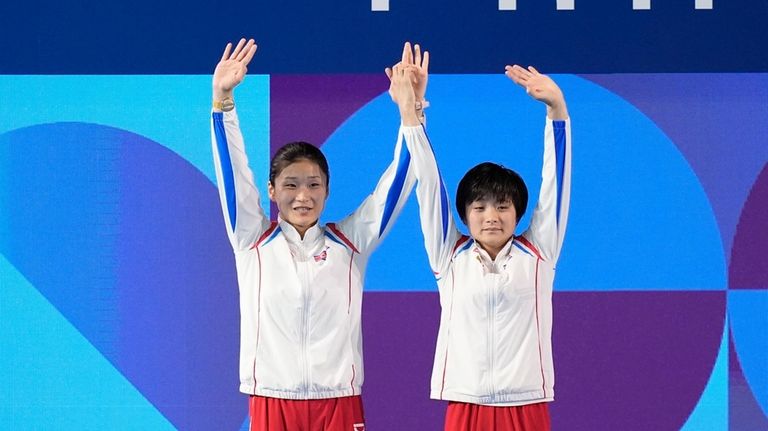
(302, 209)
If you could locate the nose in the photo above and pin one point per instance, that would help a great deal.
(491, 215)
(302, 194)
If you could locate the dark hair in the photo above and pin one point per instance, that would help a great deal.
(491, 181)
(292, 153)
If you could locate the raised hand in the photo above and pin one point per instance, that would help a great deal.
(402, 92)
(419, 65)
(232, 68)
(540, 87)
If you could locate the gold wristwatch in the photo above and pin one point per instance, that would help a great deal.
(225, 105)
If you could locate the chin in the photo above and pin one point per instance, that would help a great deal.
(306, 221)
(498, 239)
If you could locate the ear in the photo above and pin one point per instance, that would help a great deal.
(271, 191)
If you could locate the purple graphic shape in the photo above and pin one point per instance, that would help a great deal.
(294, 101)
(399, 333)
(716, 120)
(178, 305)
(619, 355)
(633, 360)
(749, 266)
(744, 412)
(294, 113)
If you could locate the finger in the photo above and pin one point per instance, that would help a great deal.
(516, 79)
(514, 72)
(388, 72)
(521, 81)
(417, 55)
(425, 62)
(226, 51)
(246, 49)
(521, 71)
(239, 47)
(249, 54)
(518, 74)
(407, 54)
(533, 70)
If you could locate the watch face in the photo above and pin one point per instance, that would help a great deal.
(227, 105)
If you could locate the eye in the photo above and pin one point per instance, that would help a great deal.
(289, 185)
(314, 185)
(503, 207)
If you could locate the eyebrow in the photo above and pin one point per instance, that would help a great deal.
(491, 202)
(296, 178)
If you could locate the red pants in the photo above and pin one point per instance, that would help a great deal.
(473, 417)
(332, 414)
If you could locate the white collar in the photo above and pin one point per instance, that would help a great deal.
(502, 254)
(292, 235)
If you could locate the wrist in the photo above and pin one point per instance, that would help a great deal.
(221, 93)
(557, 111)
(409, 118)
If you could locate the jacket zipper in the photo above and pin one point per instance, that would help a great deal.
(491, 337)
(305, 324)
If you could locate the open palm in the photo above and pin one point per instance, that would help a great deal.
(233, 66)
(540, 87)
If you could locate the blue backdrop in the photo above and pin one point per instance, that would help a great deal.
(118, 298)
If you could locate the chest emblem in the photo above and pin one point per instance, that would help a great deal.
(322, 256)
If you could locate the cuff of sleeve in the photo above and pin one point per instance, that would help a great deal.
(404, 128)
(559, 123)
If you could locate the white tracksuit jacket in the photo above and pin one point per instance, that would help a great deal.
(300, 300)
(494, 344)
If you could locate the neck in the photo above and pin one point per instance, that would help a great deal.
(492, 251)
(301, 231)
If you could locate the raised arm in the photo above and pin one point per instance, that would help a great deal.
(367, 226)
(409, 82)
(243, 215)
(547, 229)
(371, 222)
